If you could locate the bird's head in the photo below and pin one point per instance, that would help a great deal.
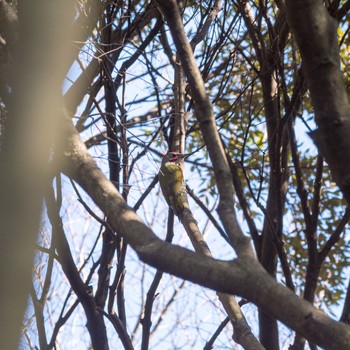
(172, 157)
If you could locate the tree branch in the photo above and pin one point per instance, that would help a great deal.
(243, 276)
(316, 35)
(204, 114)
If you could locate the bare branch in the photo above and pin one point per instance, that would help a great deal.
(204, 114)
(238, 277)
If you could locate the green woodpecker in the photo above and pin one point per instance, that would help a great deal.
(172, 183)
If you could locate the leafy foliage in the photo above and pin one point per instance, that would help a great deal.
(120, 89)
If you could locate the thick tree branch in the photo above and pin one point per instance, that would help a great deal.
(29, 132)
(243, 276)
(204, 114)
(316, 34)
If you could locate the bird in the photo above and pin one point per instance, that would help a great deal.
(172, 183)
